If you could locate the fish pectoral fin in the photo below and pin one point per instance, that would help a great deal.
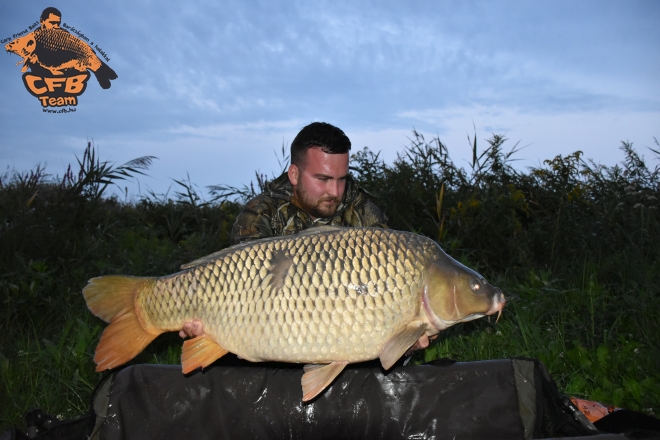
(317, 377)
(398, 344)
(200, 352)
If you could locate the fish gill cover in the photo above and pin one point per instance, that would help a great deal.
(56, 63)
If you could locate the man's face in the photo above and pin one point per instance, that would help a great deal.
(319, 183)
(52, 22)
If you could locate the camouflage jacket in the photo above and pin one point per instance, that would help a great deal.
(273, 214)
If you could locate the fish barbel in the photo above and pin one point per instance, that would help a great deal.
(326, 297)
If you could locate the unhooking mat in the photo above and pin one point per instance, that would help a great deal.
(498, 399)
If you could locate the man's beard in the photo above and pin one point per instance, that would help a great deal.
(317, 208)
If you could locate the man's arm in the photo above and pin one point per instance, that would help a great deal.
(364, 213)
(372, 216)
(253, 222)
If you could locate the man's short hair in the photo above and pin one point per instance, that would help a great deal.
(328, 138)
(48, 11)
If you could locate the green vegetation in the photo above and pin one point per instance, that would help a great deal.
(572, 243)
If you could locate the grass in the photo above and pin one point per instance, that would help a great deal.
(571, 243)
(559, 326)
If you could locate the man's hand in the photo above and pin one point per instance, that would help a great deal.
(192, 329)
(421, 343)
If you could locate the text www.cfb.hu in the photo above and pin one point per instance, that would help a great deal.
(62, 110)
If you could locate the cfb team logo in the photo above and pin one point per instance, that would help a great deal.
(58, 62)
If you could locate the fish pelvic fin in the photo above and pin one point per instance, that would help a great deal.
(398, 344)
(200, 352)
(318, 377)
(112, 298)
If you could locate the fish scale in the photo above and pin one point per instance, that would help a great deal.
(56, 39)
(308, 277)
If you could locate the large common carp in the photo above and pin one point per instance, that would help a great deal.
(326, 297)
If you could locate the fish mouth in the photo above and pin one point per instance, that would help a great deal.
(499, 301)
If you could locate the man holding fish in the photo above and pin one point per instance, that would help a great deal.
(325, 296)
(316, 190)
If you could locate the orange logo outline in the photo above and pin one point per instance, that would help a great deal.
(59, 62)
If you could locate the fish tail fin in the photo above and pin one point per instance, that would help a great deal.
(104, 74)
(112, 298)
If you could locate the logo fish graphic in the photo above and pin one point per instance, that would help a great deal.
(56, 50)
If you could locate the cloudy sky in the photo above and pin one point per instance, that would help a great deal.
(214, 89)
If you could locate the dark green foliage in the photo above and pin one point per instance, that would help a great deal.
(557, 217)
(55, 234)
(572, 244)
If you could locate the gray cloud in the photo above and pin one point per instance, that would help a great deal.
(207, 74)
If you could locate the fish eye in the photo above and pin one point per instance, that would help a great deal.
(474, 285)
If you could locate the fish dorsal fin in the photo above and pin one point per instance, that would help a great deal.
(200, 352)
(322, 228)
(398, 344)
(216, 255)
(317, 378)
